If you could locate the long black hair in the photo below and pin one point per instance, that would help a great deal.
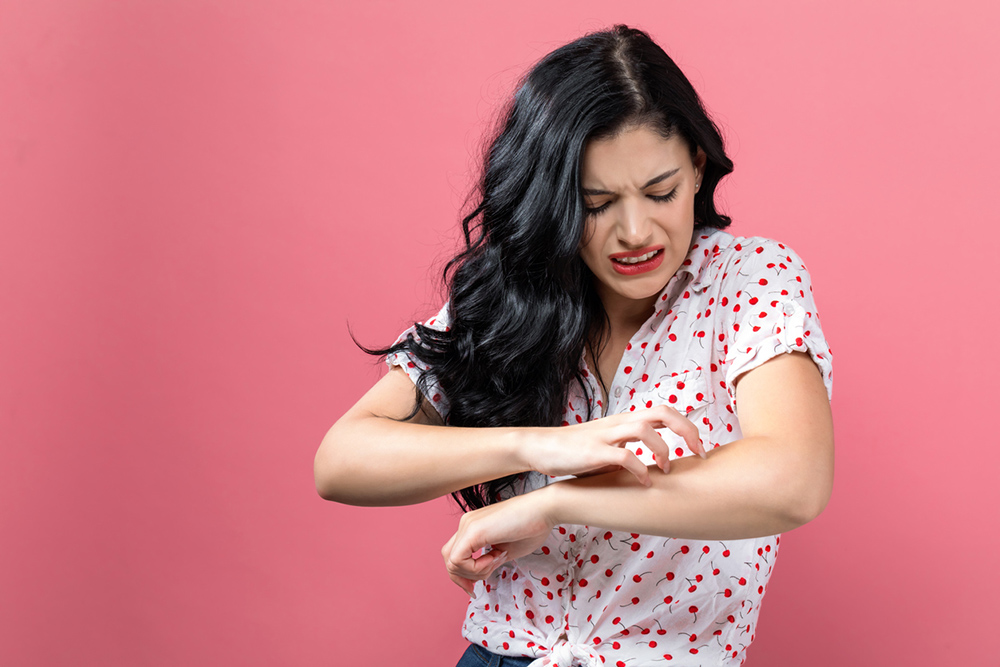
(522, 304)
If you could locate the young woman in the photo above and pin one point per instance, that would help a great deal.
(630, 402)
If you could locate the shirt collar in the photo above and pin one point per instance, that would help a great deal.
(705, 247)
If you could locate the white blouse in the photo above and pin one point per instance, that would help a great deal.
(591, 596)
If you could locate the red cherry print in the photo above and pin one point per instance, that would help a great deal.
(506, 646)
(680, 385)
(583, 583)
(645, 377)
(594, 558)
(649, 555)
(549, 619)
(616, 645)
(693, 651)
(672, 399)
(628, 369)
(763, 281)
(652, 644)
(672, 337)
(743, 581)
(760, 249)
(728, 593)
(597, 640)
(636, 546)
(608, 572)
(635, 600)
(529, 614)
(667, 656)
(753, 301)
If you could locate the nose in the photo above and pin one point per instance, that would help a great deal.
(635, 229)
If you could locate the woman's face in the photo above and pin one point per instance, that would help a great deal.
(639, 191)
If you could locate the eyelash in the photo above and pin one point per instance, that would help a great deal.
(660, 199)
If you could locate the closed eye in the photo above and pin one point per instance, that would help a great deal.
(664, 198)
(660, 199)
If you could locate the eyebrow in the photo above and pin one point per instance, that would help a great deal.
(653, 181)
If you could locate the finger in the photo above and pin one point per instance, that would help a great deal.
(627, 459)
(657, 445)
(446, 549)
(466, 585)
(682, 426)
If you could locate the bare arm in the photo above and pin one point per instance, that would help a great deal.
(370, 458)
(778, 477)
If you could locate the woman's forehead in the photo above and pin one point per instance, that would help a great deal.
(631, 158)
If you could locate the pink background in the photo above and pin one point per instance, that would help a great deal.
(198, 197)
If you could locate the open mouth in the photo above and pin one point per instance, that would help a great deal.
(630, 266)
(635, 260)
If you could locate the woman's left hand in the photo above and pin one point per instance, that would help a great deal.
(512, 528)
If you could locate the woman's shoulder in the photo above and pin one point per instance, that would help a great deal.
(732, 247)
(739, 259)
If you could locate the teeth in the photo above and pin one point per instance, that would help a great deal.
(636, 260)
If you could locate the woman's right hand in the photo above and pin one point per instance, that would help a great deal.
(599, 446)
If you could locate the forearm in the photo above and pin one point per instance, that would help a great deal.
(378, 461)
(748, 488)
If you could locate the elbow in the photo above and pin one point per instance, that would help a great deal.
(808, 499)
(326, 485)
(328, 471)
(807, 508)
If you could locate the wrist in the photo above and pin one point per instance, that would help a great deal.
(524, 444)
(550, 503)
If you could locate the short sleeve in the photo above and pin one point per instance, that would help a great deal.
(768, 309)
(415, 368)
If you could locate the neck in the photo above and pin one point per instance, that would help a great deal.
(626, 315)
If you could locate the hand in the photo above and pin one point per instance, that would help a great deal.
(599, 446)
(512, 528)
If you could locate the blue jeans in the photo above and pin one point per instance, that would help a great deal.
(477, 656)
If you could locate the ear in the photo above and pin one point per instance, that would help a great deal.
(700, 159)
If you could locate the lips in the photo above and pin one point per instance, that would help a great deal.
(637, 261)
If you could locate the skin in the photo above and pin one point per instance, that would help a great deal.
(777, 477)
